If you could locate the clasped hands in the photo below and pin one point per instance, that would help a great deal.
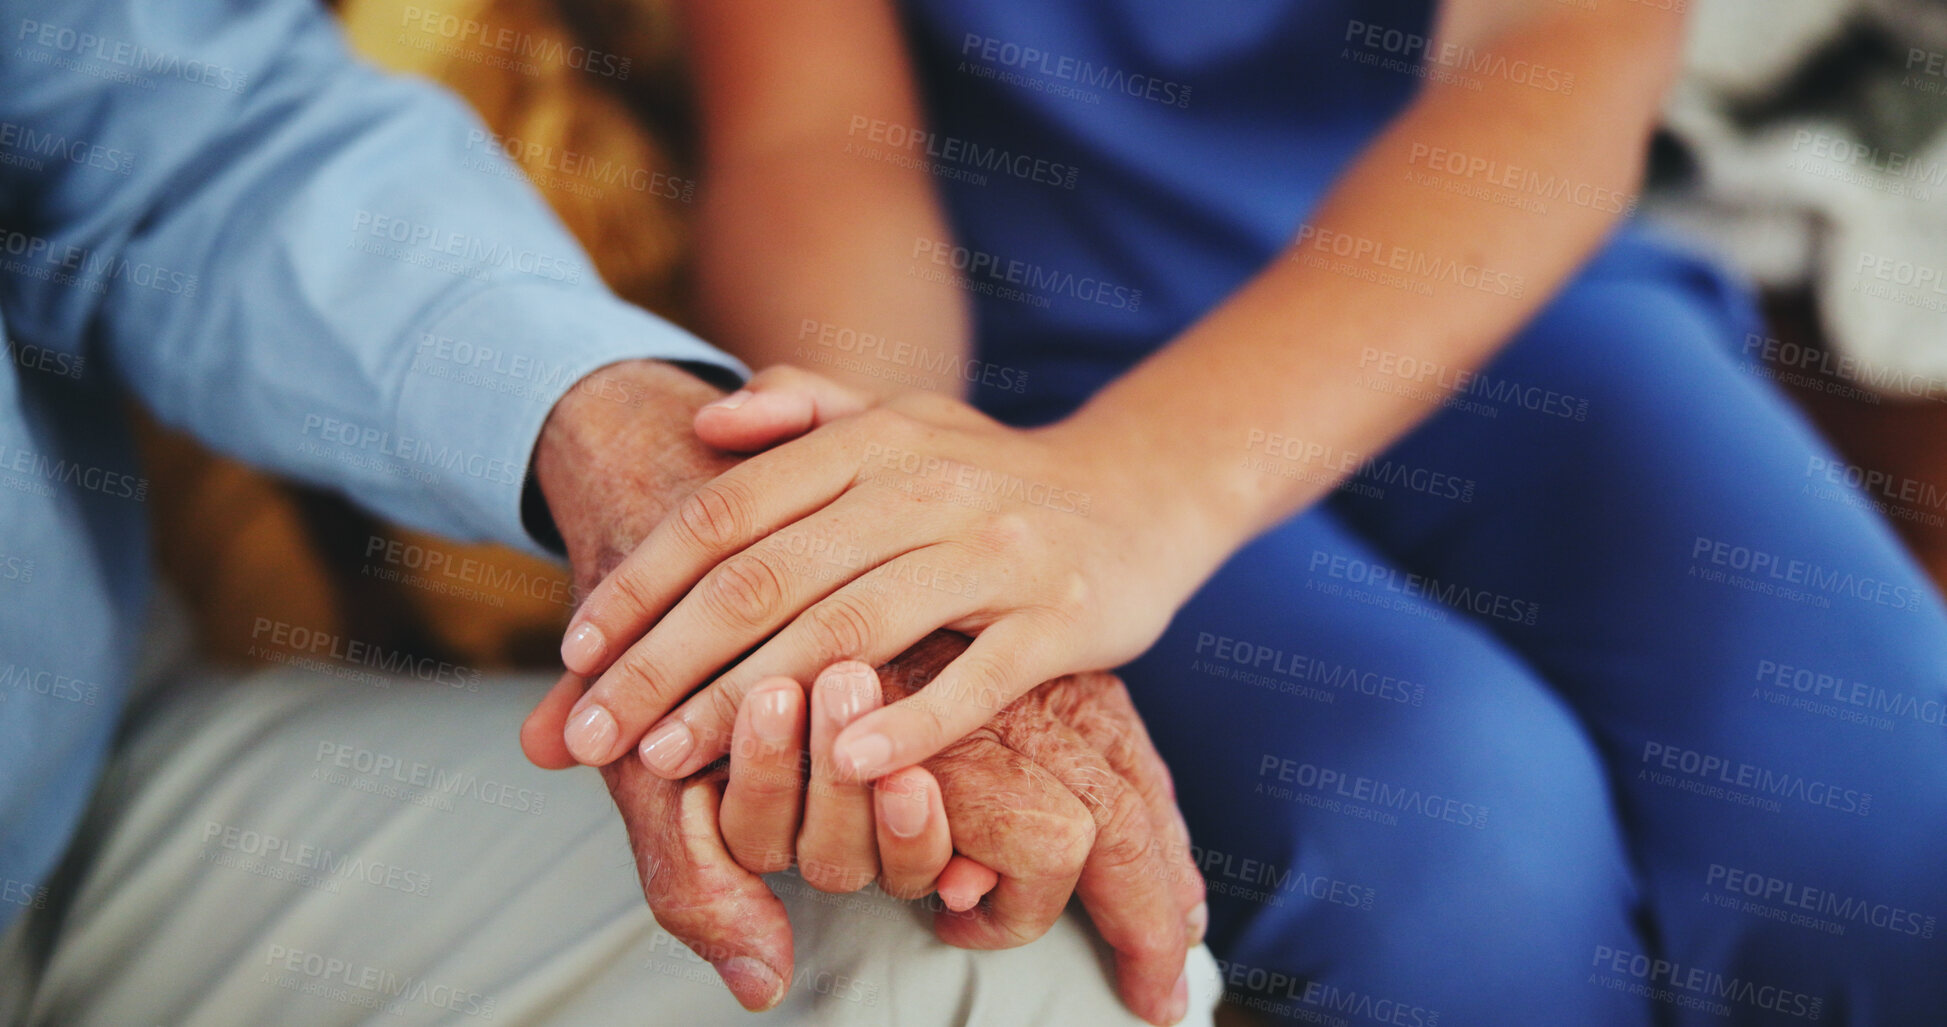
(1003, 797)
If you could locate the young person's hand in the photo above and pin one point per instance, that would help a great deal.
(1062, 793)
(884, 523)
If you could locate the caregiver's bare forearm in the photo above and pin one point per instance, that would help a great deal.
(808, 258)
(1400, 259)
(812, 206)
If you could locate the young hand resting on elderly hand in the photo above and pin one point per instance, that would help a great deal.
(1056, 550)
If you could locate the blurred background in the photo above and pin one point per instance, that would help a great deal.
(1806, 137)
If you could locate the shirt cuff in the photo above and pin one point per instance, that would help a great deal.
(485, 374)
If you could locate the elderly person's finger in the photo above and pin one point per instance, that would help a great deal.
(1021, 835)
(698, 894)
(541, 731)
(914, 845)
(964, 883)
(1014, 817)
(763, 801)
(1134, 882)
(838, 848)
(1097, 707)
(1125, 882)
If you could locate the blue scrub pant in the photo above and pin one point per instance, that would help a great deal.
(1593, 701)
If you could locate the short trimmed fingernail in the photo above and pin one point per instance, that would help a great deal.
(1197, 922)
(959, 900)
(590, 735)
(730, 402)
(868, 756)
(771, 718)
(1179, 999)
(847, 693)
(583, 647)
(756, 986)
(904, 814)
(667, 746)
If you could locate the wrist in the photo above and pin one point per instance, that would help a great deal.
(1178, 509)
(617, 453)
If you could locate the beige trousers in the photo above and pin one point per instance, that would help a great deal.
(306, 847)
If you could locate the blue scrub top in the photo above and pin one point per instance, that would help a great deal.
(1115, 168)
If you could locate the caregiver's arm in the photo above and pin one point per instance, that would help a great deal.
(1071, 547)
(812, 200)
(1065, 794)
(1281, 358)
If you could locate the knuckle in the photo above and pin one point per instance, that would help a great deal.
(1061, 847)
(630, 591)
(716, 515)
(839, 627)
(764, 772)
(929, 715)
(1073, 596)
(982, 684)
(720, 703)
(632, 679)
(747, 588)
(1192, 885)
(1004, 534)
(759, 858)
(925, 404)
(834, 876)
(687, 904)
(1152, 948)
(882, 420)
(1121, 845)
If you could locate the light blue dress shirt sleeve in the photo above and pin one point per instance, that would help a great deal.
(315, 267)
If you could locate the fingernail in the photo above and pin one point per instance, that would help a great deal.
(1197, 922)
(771, 718)
(903, 814)
(854, 691)
(730, 402)
(1179, 999)
(756, 986)
(666, 747)
(959, 900)
(867, 756)
(590, 735)
(582, 648)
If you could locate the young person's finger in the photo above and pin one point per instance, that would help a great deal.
(737, 605)
(780, 403)
(723, 516)
(1001, 664)
(871, 619)
(838, 848)
(717, 521)
(914, 846)
(764, 799)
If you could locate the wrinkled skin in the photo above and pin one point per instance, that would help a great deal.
(1062, 792)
